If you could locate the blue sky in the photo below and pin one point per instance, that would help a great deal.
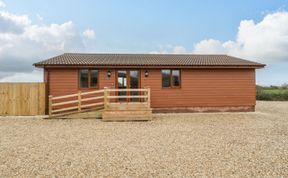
(143, 25)
(147, 26)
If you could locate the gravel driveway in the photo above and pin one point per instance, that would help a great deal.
(172, 145)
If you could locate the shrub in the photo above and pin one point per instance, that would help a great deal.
(261, 94)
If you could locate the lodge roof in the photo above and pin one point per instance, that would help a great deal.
(141, 60)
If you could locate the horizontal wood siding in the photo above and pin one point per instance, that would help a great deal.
(199, 87)
(204, 87)
(65, 81)
(105, 81)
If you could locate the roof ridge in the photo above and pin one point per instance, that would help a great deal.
(166, 54)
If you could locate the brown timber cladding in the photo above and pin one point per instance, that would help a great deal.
(22, 99)
(204, 87)
(199, 87)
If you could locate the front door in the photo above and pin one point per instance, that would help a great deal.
(128, 79)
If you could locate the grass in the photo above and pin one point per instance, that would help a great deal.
(272, 93)
(276, 91)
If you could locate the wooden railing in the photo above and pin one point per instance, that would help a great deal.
(75, 102)
(98, 99)
(143, 94)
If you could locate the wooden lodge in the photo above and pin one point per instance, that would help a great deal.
(132, 86)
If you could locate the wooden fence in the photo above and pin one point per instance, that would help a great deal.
(22, 99)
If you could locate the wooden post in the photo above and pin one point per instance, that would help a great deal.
(79, 101)
(50, 105)
(106, 94)
(148, 97)
(144, 93)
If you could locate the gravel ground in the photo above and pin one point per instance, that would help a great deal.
(172, 145)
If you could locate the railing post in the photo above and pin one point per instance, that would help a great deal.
(145, 93)
(106, 94)
(148, 97)
(79, 101)
(50, 105)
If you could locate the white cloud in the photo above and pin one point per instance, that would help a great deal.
(266, 41)
(23, 43)
(170, 49)
(2, 4)
(179, 50)
(11, 23)
(210, 46)
(89, 34)
(159, 52)
(34, 76)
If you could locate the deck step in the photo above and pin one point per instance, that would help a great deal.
(127, 106)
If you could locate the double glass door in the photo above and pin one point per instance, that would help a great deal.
(128, 79)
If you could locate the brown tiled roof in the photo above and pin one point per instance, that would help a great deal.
(78, 59)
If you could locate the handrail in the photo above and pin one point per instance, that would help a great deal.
(92, 92)
(93, 98)
(76, 94)
(144, 93)
(64, 96)
(66, 102)
(76, 101)
(93, 104)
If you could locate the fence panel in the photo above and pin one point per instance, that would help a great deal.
(22, 99)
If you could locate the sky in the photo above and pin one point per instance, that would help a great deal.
(34, 30)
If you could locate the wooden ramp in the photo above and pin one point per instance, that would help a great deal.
(97, 114)
(105, 104)
(77, 106)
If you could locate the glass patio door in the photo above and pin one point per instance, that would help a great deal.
(122, 83)
(134, 84)
(128, 79)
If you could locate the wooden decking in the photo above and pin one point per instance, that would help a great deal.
(114, 110)
(105, 104)
(127, 111)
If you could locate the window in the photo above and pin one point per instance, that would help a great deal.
(84, 78)
(88, 78)
(93, 78)
(165, 78)
(171, 78)
(175, 78)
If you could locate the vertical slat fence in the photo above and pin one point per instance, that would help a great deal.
(22, 99)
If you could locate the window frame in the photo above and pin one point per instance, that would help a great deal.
(89, 78)
(171, 80)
